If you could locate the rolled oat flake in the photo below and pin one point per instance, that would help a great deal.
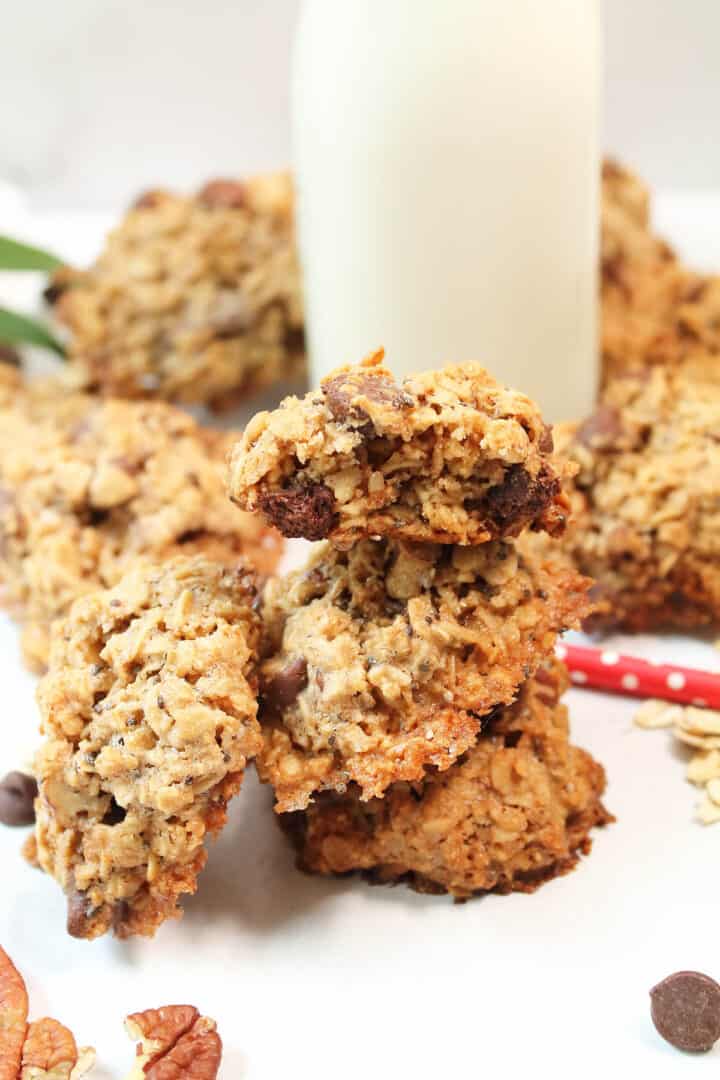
(685, 1009)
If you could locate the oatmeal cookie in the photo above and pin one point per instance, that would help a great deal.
(89, 485)
(382, 660)
(514, 811)
(653, 309)
(450, 456)
(194, 299)
(149, 712)
(646, 501)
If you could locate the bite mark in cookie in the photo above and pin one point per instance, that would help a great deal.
(449, 456)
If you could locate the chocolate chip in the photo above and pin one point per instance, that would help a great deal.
(280, 691)
(307, 512)
(78, 914)
(601, 429)
(294, 339)
(519, 499)
(115, 814)
(342, 392)
(10, 356)
(685, 1009)
(52, 292)
(17, 796)
(545, 442)
(223, 195)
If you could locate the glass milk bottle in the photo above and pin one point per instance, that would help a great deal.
(446, 157)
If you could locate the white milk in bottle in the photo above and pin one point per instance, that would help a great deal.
(446, 157)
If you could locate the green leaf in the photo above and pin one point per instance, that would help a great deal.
(21, 330)
(17, 256)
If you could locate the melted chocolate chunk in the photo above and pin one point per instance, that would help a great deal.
(518, 499)
(307, 512)
(280, 691)
(685, 1009)
(342, 392)
(18, 792)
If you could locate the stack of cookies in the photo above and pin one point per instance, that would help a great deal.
(410, 702)
(399, 692)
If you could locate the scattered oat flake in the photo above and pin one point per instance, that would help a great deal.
(713, 790)
(656, 714)
(699, 721)
(708, 812)
(703, 767)
(702, 742)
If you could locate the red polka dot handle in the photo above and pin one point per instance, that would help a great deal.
(603, 669)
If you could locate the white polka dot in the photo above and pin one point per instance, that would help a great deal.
(676, 680)
(630, 681)
(560, 652)
(609, 657)
(578, 676)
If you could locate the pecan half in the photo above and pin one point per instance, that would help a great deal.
(157, 1030)
(13, 1017)
(50, 1051)
(175, 1044)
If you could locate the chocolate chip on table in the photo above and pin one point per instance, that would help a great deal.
(685, 1009)
(223, 195)
(307, 512)
(9, 355)
(17, 797)
(280, 691)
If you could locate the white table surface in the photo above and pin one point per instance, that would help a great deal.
(324, 979)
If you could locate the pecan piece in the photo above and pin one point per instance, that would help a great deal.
(157, 1030)
(223, 195)
(13, 1017)
(51, 1053)
(175, 1044)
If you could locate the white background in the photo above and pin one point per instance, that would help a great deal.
(103, 97)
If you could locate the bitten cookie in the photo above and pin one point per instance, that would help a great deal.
(382, 660)
(514, 811)
(193, 298)
(88, 486)
(149, 713)
(450, 456)
(646, 501)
